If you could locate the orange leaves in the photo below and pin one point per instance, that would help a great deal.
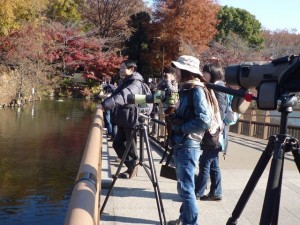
(190, 21)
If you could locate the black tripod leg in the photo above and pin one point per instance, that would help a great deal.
(115, 177)
(276, 211)
(153, 177)
(296, 154)
(272, 196)
(166, 150)
(256, 174)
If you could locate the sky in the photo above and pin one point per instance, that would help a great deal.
(272, 14)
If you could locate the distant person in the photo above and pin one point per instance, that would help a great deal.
(192, 118)
(125, 115)
(154, 114)
(211, 145)
(170, 86)
(108, 89)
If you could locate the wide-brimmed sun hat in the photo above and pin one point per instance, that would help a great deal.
(189, 63)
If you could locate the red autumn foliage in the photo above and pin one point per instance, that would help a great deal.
(64, 48)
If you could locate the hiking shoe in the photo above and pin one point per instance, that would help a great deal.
(175, 222)
(117, 159)
(210, 198)
(153, 133)
(133, 172)
(129, 173)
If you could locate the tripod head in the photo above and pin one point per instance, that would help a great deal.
(142, 118)
(286, 102)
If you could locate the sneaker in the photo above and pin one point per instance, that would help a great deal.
(175, 222)
(210, 198)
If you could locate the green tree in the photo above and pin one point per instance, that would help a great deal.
(241, 23)
(138, 42)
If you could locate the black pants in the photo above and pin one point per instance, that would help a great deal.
(123, 135)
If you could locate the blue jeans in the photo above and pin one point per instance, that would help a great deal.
(209, 166)
(107, 122)
(186, 160)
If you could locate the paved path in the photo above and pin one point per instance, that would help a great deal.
(133, 201)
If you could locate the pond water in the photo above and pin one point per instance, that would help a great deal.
(41, 145)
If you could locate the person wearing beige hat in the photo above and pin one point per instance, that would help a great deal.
(192, 117)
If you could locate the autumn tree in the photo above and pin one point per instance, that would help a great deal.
(109, 18)
(64, 11)
(13, 13)
(241, 23)
(280, 43)
(23, 50)
(68, 49)
(184, 27)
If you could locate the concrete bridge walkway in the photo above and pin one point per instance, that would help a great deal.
(133, 201)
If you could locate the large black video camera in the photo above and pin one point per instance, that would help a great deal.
(271, 79)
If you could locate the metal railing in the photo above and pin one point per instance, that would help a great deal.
(251, 127)
(84, 203)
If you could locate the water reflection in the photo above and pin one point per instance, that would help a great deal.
(41, 148)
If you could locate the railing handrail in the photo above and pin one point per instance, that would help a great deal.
(84, 202)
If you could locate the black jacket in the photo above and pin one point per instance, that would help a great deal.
(125, 115)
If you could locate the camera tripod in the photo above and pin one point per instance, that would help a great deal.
(277, 145)
(141, 129)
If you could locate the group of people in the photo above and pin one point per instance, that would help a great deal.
(195, 127)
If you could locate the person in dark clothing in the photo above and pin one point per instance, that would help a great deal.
(154, 113)
(108, 89)
(209, 160)
(125, 115)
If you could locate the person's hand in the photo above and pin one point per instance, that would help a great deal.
(100, 106)
(168, 76)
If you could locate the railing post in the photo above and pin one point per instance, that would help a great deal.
(252, 126)
(266, 128)
(239, 128)
(161, 128)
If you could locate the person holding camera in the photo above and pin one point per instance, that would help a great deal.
(169, 85)
(192, 117)
(125, 115)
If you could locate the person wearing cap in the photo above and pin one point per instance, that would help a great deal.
(192, 118)
(125, 115)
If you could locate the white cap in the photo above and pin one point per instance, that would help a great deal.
(189, 63)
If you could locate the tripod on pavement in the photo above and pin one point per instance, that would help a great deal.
(141, 128)
(278, 145)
